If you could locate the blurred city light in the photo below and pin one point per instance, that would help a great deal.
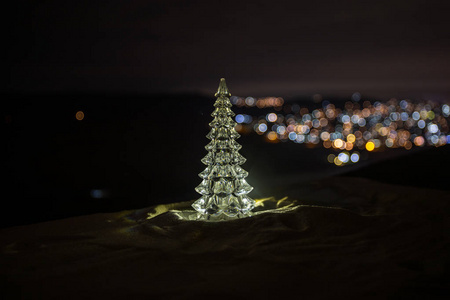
(98, 194)
(79, 115)
(271, 117)
(239, 118)
(262, 127)
(350, 126)
(354, 157)
(370, 146)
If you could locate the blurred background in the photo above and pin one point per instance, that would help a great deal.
(105, 105)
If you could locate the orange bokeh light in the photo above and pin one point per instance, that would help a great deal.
(79, 115)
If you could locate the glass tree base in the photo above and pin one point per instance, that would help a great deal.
(191, 215)
(183, 210)
(228, 207)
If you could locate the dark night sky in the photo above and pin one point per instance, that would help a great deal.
(283, 48)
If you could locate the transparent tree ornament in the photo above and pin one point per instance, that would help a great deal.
(223, 188)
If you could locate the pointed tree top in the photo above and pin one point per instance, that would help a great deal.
(222, 90)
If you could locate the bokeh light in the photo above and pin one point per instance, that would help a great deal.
(79, 115)
(370, 146)
(239, 118)
(272, 136)
(272, 117)
(262, 127)
(354, 157)
(343, 156)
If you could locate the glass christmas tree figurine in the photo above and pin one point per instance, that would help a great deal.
(224, 188)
